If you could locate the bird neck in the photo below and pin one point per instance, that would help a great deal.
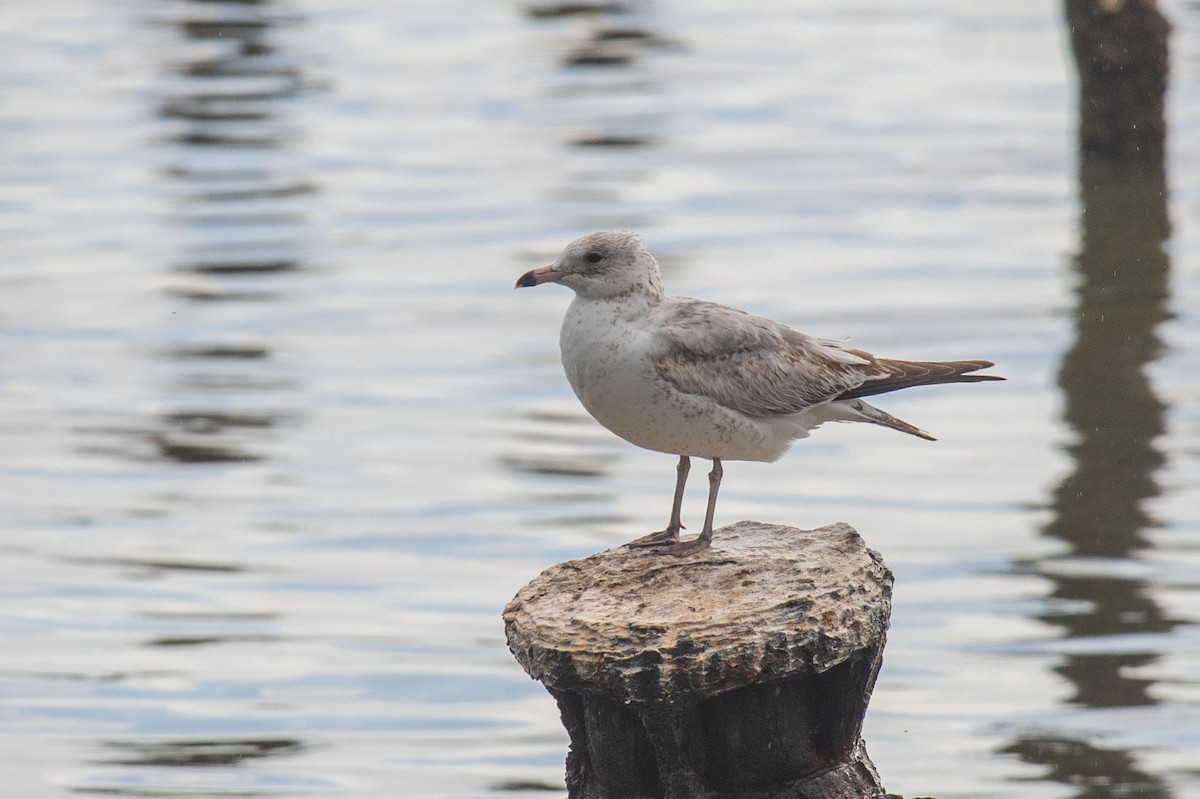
(633, 303)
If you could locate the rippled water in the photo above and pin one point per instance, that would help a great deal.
(278, 440)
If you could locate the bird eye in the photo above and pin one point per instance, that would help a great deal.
(594, 257)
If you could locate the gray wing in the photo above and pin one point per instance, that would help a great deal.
(751, 364)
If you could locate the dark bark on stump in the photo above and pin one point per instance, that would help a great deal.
(743, 672)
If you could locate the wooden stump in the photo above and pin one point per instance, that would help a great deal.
(741, 672)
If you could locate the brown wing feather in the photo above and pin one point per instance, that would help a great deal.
(754, 365)
(906, 374)
(763, 368)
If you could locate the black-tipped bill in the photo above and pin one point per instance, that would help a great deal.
(534, 277)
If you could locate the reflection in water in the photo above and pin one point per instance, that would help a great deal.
(612, 140)
(238, 202)
(561, 446)
(600, 78)
(240, 214)
(155, 567)
(572, 8)
(1095, 772)
(241, 208)
(219, 351)
(1099, 508)
(612, 47)
(556, 444)
(198, 753)
(1122, 268)
(602, 62)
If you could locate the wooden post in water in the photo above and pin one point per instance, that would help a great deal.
(1121, 52)
(742, 672)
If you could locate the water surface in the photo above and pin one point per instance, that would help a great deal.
(278, 440)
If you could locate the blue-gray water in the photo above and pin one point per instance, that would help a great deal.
(278, 440)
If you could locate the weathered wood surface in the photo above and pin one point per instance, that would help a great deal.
(743, 671)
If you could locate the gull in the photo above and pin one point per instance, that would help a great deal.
(696, 378)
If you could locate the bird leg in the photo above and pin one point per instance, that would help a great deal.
(702, 541)
(671, 534)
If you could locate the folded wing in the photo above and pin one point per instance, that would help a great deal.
(762, 368)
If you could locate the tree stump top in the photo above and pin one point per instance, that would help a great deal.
(764, 602)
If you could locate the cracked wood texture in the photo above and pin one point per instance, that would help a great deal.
(742, 672)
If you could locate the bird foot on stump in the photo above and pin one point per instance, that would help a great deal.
(661, 538)
(681, 549)
(667, 543)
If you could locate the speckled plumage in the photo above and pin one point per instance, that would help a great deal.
(691, 377)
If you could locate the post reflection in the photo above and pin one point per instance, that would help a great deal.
(603, 85)
(192, 753)
(238, 210)
(603, 48)
(241, 207)
(1099, 508)
(1096, 772)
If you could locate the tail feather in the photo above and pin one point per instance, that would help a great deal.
(869, 413)
(906, 374)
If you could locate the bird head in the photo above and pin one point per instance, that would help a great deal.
(606, 264)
